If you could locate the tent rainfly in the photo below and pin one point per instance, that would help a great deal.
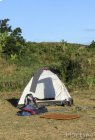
(45, 85)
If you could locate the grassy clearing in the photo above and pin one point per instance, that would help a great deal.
(76, 65)
(36, 128)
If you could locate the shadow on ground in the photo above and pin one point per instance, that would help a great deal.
(13, 102)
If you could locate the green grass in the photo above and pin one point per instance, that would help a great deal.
(75, 64)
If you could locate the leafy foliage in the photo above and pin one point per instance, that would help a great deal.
(92, 45)
(4, 27)
(12, 43)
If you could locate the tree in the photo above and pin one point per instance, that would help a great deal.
(4, 27)
(92, 45)
(16, 33)
(11, 41)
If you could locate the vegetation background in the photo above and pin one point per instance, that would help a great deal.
(74, 63)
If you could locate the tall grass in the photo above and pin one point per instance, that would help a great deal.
(74, 63)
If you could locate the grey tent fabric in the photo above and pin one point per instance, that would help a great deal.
(35, 80)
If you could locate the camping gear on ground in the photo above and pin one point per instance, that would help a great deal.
(60, 116)
(27, 111)
(30, 100)
(30, 107)
(55, 102)
(45, 85)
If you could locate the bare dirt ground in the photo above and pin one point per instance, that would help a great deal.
(13, 127)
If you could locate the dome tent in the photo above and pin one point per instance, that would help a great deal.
(45, 85)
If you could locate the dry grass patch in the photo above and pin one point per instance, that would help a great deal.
(36, 128)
